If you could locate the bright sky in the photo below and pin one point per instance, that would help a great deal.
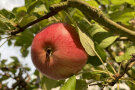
(10, 4)
(7, 51)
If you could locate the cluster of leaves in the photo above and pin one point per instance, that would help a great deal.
(15, 76)
(100, 44)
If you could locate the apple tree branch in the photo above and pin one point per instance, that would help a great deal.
(117, 76)
(89, 12)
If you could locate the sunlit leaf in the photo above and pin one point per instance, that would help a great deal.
(123, 16)
(85, 39)
(132, 2)
(101, 36)
(27, 20)
(70, 84)
(53, 2)
(104, 2)
(108, 41)
(40, 10)
(127, 55)
(118, 1)
(93, 3)
(87, 43)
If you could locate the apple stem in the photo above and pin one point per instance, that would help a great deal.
(48, 53)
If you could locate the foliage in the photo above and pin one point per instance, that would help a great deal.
(105, 64)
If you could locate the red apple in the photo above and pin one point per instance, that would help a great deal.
(120, 53)
(57, 52)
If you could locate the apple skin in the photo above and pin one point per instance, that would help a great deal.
(120, 53)
(57, 52)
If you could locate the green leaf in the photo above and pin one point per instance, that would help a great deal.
(53, 1)
(20, 9)
(87, 43)
(123, 16)
(4, 27)
(24, 51)
(25, 38)
(28, 2)
(105, 2)
(20, 12)
(40, 10)
(132, 72)
(94, 60)
(116, 2)
(3, 61)
(48, 83)
(70, 84)
(122, 57)
(2, 31)
(27, 68)
(26, 20)
(33, 5)
(91, 75)
(93, 3)
(131, 83)
(108, 41)
(3, 19)
(7, 14)
(81, 85)
(97, 33)
(15, 59)
(9, 42)
(101, 36)
(132, 2)
(85, 39)
(5, 77)
(101, 52)
(127, 54)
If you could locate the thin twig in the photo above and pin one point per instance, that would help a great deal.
(117, 77)
(21, 29)
(128, 66)
(3, 43)
(97, 15)
(111, 67)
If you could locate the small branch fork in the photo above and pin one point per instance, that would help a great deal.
(21, 29)
(90, 13)
(117, 77)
